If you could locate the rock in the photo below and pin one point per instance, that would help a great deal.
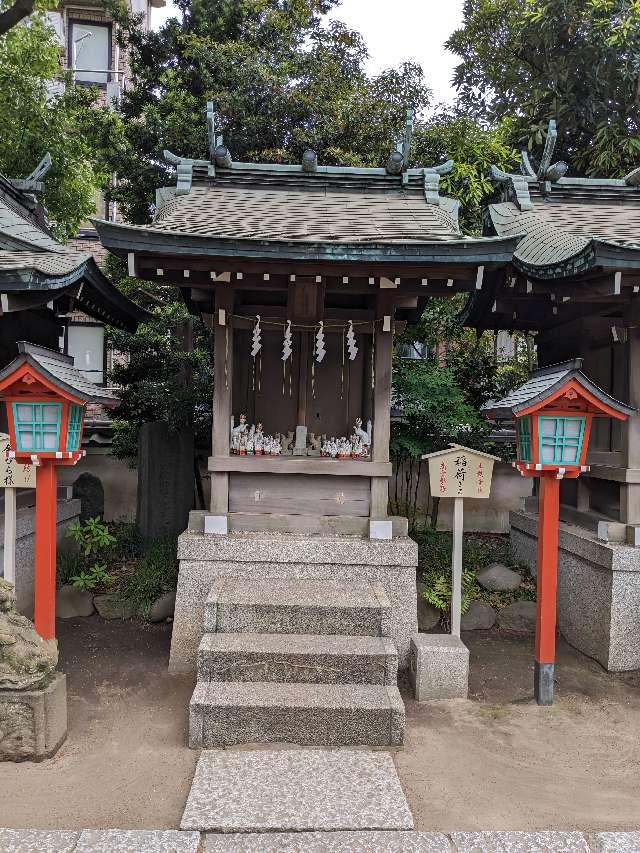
(520, 617)
(113, 606)
(162, 608)
(428, 615)
(72, 603)
(479, 616)
(25, 658)
(499, 578)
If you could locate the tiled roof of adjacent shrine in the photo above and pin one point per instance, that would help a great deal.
(35, 268)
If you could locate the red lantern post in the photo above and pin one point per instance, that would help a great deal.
(553, 412)
(45, 398)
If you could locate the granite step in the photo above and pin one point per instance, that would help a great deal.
(229, 713)
(270, 790)
(297, 607)
(363, 841)
(298, 659)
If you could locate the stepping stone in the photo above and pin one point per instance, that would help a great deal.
(329, 842)
(37, 841)
(280, 790)
(137, 841)
(520, 842)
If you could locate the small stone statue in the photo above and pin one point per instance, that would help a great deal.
(25, 658)
(364, 436)
(287, 441)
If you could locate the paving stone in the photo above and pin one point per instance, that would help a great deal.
(37, 841)
(277, 790)
(520, 842)
(230, 713)
(72, 603)
(298, 607)
(137, 841)
(329, 842)
(298, 658)
(110, 605)
(615, 842)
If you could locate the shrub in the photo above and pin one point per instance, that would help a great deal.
(154, 572)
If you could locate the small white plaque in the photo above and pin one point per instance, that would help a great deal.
(380, 528)
(218, 525)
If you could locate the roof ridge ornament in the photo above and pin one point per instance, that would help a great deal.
(33, 183)
(632, 179)
(432, 181)
(520, 186)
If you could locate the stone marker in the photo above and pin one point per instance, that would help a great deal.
(499, 578)
(72, 603)
(479, 616)
(519, 617)
(428, 615)
(88, 488)
(33, 698)
(272, 790)
(162, 608)
(439, 667)
(110, 605)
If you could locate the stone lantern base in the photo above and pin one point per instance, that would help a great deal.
(33, 723)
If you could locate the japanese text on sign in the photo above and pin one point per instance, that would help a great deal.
(13, 474)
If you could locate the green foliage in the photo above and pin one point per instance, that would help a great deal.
(478, 551)
(153, 573)
(281, 79)
(474, 147)
(91, 536)
(88, 579)
(572, 60)
(70, 125)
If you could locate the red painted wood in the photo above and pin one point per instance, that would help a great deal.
(549, 519)
(45, 551)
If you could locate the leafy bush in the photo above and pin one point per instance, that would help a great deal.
(91, 536)
(153, 573)
(96, 575)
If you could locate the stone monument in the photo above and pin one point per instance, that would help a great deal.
(33, 696)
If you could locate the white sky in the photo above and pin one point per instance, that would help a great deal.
(403, 30)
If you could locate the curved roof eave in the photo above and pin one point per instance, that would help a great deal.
(122, 239)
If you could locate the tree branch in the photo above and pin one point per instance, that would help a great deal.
(14, 14)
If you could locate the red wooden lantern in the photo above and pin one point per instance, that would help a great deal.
(45, 397)
(553, 411)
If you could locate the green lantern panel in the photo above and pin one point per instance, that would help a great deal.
(561, 440)
(37, 426)
(524, 439)
(75, 427)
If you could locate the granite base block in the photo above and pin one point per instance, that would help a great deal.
(33, 723)
(439, 667)
(207, 559)
(395, 841)
(598, 591)
(296, 790)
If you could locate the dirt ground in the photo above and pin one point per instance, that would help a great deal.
(496, 761)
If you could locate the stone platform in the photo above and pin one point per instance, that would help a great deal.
(254, 557)
(297, 790)
(598, 591)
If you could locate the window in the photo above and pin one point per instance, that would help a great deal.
(90, 52)
(75, 427)
(561, 440)
(37, 426)
(524, 439)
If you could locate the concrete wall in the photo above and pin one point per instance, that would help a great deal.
(68, 512)
(508, 491)
(120, 483)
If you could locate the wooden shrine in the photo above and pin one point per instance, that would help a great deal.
(304, 273)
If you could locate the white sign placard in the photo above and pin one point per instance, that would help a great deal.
(14, 475)
(459, 472)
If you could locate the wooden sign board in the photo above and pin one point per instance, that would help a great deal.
(460, 472)
(14, 475)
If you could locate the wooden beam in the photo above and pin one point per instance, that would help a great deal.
(222, 396)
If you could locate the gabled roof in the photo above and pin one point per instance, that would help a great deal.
(543, 384)
(59, 370)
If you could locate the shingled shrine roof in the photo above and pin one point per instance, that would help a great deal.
(35, 268)
(308, 211)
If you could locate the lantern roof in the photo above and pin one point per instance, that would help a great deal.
(55, 369)
(550, 383)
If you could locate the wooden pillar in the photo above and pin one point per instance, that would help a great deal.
(383, 342)
(303, 377)
(222, 393)
(545, 654)
(45, 551)
(10, 516)
(630, 492)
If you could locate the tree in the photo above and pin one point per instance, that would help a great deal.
(281, 81)
(71, 125)
(575, 61)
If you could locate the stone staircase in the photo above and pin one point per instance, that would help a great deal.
(304, 662)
